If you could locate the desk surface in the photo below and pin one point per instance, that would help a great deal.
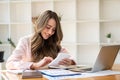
(110, 77)
(8, 76)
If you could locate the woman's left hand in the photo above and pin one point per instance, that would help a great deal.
(66, 61)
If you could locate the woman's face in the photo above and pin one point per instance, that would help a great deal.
(49, 29)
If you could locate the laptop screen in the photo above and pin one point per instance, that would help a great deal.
(106, 58)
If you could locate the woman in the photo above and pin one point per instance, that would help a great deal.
(39, 49)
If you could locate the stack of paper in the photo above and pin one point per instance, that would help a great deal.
(59, 72)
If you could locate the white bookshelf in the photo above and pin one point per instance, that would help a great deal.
(84, 23)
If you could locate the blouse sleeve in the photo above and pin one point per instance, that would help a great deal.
(15, 61)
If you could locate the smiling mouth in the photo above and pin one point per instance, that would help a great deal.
(47, 35)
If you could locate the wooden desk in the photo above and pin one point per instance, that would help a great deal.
(110, 77)
(9, 76)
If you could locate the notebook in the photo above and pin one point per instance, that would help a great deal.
(59, 72)
(27, 73)
(33, 74)
(105, 59)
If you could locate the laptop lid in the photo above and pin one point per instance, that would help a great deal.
(106, 58)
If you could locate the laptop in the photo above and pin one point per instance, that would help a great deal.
(105, 59)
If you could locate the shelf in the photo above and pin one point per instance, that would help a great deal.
(89, 44)
(20, 12)
(88, 20)
(19, 30)
(87, 54)
(41, 1)
(66, 9)
(84, 23)
(50, 0)
(5, 44)
(79, 44)
(109, 9)
(68, 35)
(39, 7)
(112, 43)
(88, 32)
(111, 27)
(19, 1)
(4, 31)
(4, 1)
(4, 14)
(21, 23)
(109, 20)
(91, 11)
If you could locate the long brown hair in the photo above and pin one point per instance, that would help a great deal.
(50, 47)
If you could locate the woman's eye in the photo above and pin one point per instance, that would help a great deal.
(47, 27)
(53, 29)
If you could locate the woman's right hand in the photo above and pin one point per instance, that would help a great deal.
(45, 61)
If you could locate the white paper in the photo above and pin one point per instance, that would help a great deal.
(19, 71)
(59, 72)
(15, 71)
(59, 58)
(84, 75)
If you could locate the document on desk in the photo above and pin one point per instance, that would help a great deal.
(27, 73)
(59, 72)
(33, 74)
(19, 71)
(54, 63)
(84, 75)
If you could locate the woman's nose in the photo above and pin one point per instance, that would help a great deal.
(50, 31)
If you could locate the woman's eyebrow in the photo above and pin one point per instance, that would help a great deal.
(49, 25)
